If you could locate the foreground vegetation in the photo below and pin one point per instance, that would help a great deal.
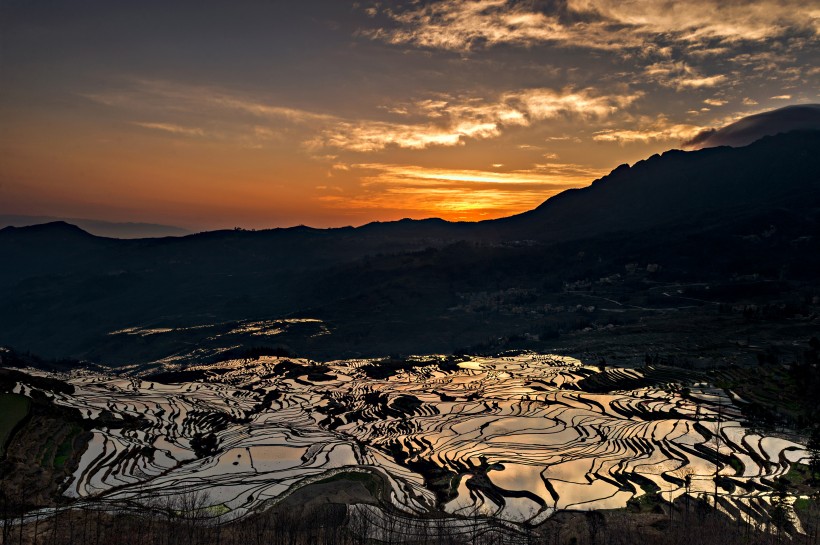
(183, 521)
(13, 408)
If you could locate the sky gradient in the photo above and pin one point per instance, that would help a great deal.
(329, 113)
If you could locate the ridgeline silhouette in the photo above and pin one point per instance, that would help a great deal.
(712, 215)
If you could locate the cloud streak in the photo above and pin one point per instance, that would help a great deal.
(557, 175)
(679, 75)
(442, 121)
(694, 20)
(647, 130)
(171, 128)
(461, 25)
(454, 120)
(457, 194)
(464, 25)
(174, 97)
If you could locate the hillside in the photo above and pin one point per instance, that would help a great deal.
(740, 222)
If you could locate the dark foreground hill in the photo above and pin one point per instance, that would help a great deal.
(708, 252)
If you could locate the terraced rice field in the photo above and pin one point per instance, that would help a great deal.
(512, 438)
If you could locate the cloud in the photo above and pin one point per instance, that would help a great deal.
(462, 25)
(699, 138)
(542, 104)
(260, 109)
(451, 121)
(679, 75)
(745, 130)
(458, 194)
(698, 82)
(763, 60)
(367, 136)
(659, 129)
(442, 120)
(556, 175)
(782, 97)
(692, 20)
(171, 128)
(715, 102)
(175, 97)
(229, 116)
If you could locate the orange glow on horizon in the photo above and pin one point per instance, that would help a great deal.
(328, 114)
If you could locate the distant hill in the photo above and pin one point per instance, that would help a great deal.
(708, 217)
(98, 227)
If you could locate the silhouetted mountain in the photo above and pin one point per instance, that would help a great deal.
(52, 231)
(99, 227)
(754, 127)
(707, 217)
(679, 186)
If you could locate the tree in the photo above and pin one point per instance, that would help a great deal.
(781, 515)
(717, 440)
(814, 452)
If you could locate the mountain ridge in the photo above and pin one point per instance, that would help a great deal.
(742, 183)
(122, 230)
(500, 227)
(707, 217)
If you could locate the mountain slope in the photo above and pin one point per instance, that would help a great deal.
(678, 186)
(706, 216)
(99, 227)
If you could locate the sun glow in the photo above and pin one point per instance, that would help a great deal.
(457, 194)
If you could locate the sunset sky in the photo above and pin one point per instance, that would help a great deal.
(329, 113)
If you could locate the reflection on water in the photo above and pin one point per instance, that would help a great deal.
(517, 433)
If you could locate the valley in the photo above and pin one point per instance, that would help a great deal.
(512, 438)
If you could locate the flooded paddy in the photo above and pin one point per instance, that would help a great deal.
(513, 438)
